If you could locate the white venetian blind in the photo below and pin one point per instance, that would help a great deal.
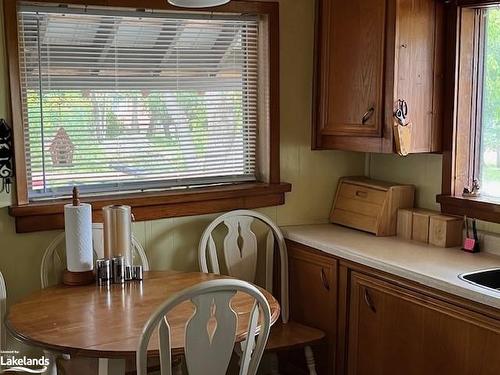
(119, 101)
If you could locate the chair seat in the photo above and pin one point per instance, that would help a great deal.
(292, 335)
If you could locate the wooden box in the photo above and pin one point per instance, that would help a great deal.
(370, 205)
(421, 224)
(446, 231)
(405, 223)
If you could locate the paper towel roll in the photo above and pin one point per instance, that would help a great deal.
(78, 228)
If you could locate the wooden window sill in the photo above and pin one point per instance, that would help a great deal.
(481, 208)
(49, 215)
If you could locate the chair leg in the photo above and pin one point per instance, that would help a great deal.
(311, 364)
(274, 364)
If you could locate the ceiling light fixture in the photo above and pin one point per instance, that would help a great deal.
(197, 3)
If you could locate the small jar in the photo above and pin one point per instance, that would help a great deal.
(119, 270)
(104, 271)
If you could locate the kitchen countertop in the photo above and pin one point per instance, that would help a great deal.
(425, 264)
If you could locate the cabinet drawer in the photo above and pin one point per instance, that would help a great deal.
(363, 194)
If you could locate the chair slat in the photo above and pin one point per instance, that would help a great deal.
(164, 345)
(269, 260)
(212, 254)
(240, 257)
(249, 345)
(209, 344)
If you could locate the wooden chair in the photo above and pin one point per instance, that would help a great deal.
(239, 252)
(210, 333)
(51, 269)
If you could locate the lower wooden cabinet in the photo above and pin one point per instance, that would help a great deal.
(313, 295)
(394, 331)
(379, 324)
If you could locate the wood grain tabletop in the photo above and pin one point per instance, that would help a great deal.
(106, 321)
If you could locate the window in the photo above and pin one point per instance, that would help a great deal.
(118, 100)
(174, 112)
(472, 134)
(489, 140)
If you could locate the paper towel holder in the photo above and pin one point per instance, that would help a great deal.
(77, 278)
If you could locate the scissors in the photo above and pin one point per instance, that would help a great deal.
(401, 112)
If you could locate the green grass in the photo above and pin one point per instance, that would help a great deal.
(81, 112)
(491, 173)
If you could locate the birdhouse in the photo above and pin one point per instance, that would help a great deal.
(62, 149)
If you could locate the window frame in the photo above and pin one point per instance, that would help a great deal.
(460, 154)
(267, 191)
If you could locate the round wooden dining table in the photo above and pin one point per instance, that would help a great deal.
(107, 321)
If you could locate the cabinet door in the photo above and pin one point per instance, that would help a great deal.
(352, 66)
(313, 291)
(394, 331)
(418, 69)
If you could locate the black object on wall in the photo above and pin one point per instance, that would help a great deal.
(6, 157)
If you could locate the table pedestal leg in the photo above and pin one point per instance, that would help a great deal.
(111, 366)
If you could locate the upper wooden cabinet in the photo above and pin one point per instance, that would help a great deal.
(369, 55)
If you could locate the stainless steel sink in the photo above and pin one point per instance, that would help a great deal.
(489, 279)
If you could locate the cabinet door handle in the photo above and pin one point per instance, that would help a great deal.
(361, 194)
(368, 115)
(369, 302)
(326, 285)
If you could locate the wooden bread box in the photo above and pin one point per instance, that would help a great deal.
(370, 205)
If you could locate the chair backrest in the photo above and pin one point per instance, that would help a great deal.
(211, 331)
(239, 250)
(3, 308)
(54, 257)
